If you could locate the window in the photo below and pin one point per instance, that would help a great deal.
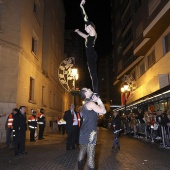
(43, 95)
(142, 69)
(36, 7)
(151, 59)
(167, 43)
(1, 14)
(51, 100)
(34, 43)
(31, 92)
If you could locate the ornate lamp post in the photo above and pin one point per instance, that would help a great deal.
(68, 75)
(128, 88)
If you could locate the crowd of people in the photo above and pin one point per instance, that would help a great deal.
(148, 124)
(17, 124)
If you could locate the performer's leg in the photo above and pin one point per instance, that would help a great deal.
(92, 66)
(90, 156)
(82, 153)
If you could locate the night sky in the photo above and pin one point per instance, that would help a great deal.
(98, 12)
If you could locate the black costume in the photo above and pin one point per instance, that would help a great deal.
(88, 138)
(91, 54)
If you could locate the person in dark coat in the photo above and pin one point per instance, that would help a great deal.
(70, 116)
(116, 126)
(19, 131)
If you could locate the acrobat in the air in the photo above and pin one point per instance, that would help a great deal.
(91, 54)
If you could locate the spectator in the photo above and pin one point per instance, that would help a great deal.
(32, 122)
(71, 119)
(9, 127)
(116, 125)
(19, 129)
(166, 123)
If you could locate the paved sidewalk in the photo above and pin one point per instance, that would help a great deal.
(51, 154)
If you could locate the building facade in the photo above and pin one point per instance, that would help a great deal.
(141, 40)
(31, 49)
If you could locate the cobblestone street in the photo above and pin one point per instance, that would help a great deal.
(51, 154)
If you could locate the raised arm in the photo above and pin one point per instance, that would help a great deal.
(81, 34)
(85, 17)
(98, 108)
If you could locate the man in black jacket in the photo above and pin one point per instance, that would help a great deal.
(116, 125)
(71, 119)
(19, 131)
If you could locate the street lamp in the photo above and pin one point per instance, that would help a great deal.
(75, 75)
(67, 75)
(74, 91)
(125, 91)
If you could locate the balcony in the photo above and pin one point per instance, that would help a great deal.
(126, 23)
(128, 65)
(153, 31)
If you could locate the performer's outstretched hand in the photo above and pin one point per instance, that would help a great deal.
(76, 30)
(82, 2)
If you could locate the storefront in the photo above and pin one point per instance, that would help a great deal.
(159, 100)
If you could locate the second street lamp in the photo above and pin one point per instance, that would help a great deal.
(125, 94)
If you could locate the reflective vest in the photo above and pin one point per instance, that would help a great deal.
(79, 119)
(41, 119)
(10, 121)
(32, 122)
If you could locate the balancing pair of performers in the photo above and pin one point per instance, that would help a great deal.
(93, 104)
(91, 54)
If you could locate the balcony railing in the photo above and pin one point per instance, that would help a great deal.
(129, 61)
(126, 23)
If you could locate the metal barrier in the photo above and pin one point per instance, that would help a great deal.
(165, 136)
(152, 133)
